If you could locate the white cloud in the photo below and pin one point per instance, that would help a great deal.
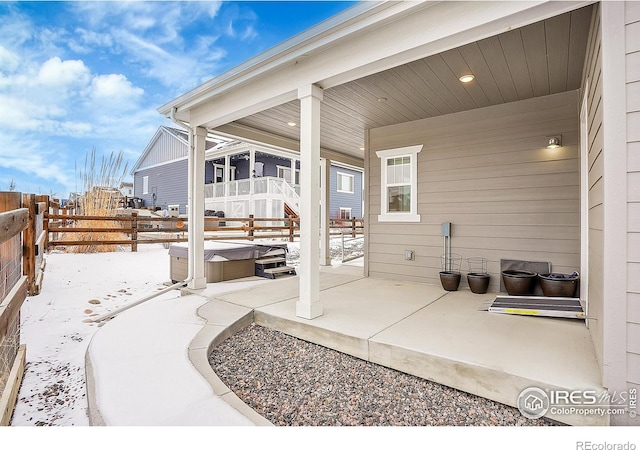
(55, 72)
(114, 87)
(151, 35)
(85, 41)
(9, 61)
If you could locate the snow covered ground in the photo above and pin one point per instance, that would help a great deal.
(57, 329)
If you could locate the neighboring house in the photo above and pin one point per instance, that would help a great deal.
(126, 189)
(160, 174)
(258, 180)
(451, 106)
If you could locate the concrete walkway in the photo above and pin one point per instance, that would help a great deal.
(158, 374)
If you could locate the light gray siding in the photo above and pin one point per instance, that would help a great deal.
(168, 182)
(346, 200)
(593, 78)
(486, 171)
(632, 50)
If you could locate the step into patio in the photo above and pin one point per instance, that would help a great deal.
(272, 266)
(280, 270)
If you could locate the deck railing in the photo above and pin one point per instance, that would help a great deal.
(259, 187)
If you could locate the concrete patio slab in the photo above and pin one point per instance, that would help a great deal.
(495, 356)
(438, 335)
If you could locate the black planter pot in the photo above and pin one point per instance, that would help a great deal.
(519, 282)
(450, 280)
(558, 285)
(478, 282)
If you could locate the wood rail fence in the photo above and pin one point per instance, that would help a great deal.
(133, 229)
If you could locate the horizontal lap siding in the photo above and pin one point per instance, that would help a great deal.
(488, 172)
(168, 181)
(345, 199)
(593, 75)
(633, 197)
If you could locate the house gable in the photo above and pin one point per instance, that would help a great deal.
(167, 144)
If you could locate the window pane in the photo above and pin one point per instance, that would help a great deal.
(406, 173)
(399, 199)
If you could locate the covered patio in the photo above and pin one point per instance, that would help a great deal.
(388, 82)
(442, 336)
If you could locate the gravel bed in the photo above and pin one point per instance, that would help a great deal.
(292, 382)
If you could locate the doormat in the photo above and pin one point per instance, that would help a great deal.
(565, 307)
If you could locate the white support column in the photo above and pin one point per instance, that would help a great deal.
(308, 305)
(196, 210)
(325, 184)
(227, 165)
(292, 179)
(252, 181)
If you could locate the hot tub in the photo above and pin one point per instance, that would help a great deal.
(224, 260)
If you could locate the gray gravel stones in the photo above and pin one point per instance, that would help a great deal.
(292, 382)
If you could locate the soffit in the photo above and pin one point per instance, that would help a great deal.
(540, 59)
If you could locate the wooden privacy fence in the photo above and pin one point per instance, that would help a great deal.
(14, 218)
(77, 230)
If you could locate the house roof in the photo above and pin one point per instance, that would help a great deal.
(385, 63)
(180, 136)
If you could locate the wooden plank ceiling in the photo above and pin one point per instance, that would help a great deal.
(539, 59)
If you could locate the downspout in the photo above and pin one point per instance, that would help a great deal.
(190, 162)
(190, 270)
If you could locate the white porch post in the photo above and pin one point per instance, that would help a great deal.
(227, 166)
(325, 181)
(252, 173)
(293, 172)
(196, 209)
(308, 305)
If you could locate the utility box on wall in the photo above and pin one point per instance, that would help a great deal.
(446, 229)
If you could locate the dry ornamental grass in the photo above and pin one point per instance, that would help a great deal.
(101, 198)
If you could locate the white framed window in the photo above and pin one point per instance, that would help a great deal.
(399, 184)
(145, 184)
(345, 182)
(345, 213)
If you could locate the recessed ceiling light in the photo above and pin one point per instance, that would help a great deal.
(361, 148)
(382, 99)
(291, 124)
(466, 78)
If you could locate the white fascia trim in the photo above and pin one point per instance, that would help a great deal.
(163, 163)
(412, 216)
(347, 166)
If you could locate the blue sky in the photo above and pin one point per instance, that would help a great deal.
(81, 75)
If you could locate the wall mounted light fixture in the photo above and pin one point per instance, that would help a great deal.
(554, 142)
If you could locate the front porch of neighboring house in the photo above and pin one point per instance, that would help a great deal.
(242, 180)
